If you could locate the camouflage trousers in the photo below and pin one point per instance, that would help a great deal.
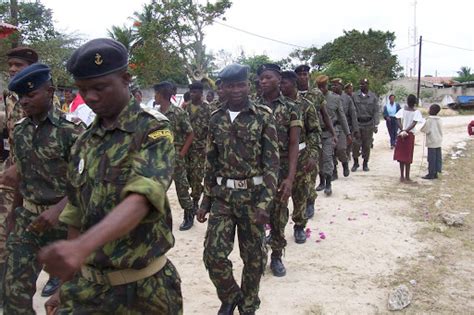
(313, 175)
(279, 213)
(364, 143)
(301, 191)
(22, 267)
(235, 210)
(158, 294)
(6, 202)
(326, 163)
(195, 159)
(181, 184)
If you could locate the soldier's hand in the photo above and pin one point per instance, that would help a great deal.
(46, 220)
(62, 259)
(52, 304)
(334, 140)
(285, 189)
(349, 140)
(261, 217)
(201, 215)
(310, 165)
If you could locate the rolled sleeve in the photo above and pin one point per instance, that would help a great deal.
(149, 188)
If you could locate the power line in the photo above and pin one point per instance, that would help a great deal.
(260, 36)
(446, 45)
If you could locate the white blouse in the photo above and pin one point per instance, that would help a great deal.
(408, 117)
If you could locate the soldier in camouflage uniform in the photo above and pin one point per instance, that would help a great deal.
(351, 117)
(239, 185)
(288, 123)
(336, 113)
(183, 137)
(319, 101)
(368, 112)
(17, 59)
(308, 157)
(118, 215)
(199, 114)
(41, 147)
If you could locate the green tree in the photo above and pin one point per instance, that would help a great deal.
(464, 75)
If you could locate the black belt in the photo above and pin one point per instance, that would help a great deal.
(364, 119)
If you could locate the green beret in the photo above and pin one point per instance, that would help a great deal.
(234, 73)
(268, 66)
(23, 53)
(30, 78)
(98, 57)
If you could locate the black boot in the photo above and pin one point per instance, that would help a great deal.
(310, 209)
(327, 188)
(299, 234)
(321, 183)
(276, 265)
(51, 286)
(355, 166)
(334, 173)
(345, 167)
(227, 308)
(188, 220)
(365, 166)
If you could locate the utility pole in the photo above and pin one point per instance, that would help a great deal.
(14, 21)
(414, 37)
(419, 72)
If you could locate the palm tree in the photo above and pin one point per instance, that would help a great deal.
(465, 74)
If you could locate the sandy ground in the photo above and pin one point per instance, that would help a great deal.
(366, 238)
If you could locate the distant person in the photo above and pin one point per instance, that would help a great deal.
(186, 100)
(138, 97)
(470, 128)
(434, 138)
(68, 98)
(210, 96)
(389, 111)
(407, 119)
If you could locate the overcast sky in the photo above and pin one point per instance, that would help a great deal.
(305, 23)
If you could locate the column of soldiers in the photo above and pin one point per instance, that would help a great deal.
(102, 224)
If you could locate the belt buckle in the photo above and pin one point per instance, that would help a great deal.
(240, 184)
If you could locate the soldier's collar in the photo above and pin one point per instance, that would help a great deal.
(54, 115)
(249, 106)
(126, 121)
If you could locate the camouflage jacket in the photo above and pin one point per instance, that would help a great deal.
(287, 114)
(136, 155)
(214, 105)
(199, 116)
(311, 130)
(13, 113)
(367, 106)
(42, 153)
(350, 111)
(336, 114)
(242, 149)
(179, 125)
(314, 96)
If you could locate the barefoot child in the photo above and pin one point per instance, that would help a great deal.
(434, 137)
(407, 119)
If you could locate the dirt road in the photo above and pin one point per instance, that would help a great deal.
(368, 233)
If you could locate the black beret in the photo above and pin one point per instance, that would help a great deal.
(30, 78)
(268, 66)
(196, 85)
(98, 57)
(302, 68)
(234, 73)
(290, 75)
(23, 53)
(163, 85)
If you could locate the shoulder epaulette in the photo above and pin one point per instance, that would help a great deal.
(20, 121)
(153, 112)
(264, 107)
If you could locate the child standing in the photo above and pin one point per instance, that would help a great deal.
(434, 137)
(407, 119)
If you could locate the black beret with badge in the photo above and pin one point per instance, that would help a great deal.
(268, 66)
(98, 57)
(23, 53)
(302, 68)
(163, 85)
(30, 78)
(234, 73)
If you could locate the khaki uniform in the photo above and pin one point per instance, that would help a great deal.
(368, 113)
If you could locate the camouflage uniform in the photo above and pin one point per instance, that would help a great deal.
(367, 107)
(317, 98)
(214, 105)
(41, 153)
(181, 127)
(336, 114)
(244, 149)
(311, 137)
(135, 156)
(351, 115)
(199, 116)
(287, 114)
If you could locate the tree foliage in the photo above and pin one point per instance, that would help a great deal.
(464, 75)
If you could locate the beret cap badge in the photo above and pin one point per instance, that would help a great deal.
(98, 60)
(30, 85)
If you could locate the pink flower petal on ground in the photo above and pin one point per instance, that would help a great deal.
(308, 232)
(322, 236)
(317, 241)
